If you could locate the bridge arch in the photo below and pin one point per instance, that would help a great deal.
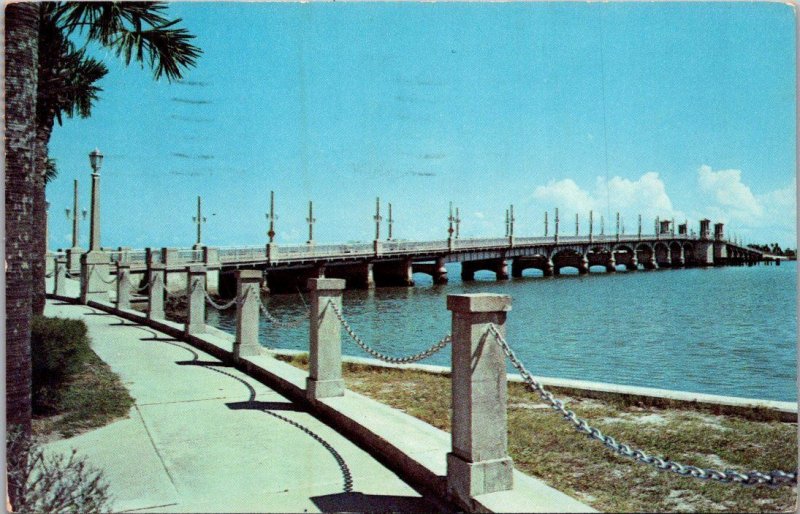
(662, 254)
(645, 255)
(538, 261)
(688, 254)
(570, 258)
(676, 254)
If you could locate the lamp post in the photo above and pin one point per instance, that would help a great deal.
(556, 234)
(199, 219)
(311, 219)
(640, 226)
(577, 225)
(602, 226)
(591, 226)
(390, 221)
(377, 218)
(271, 217)
(458, 222)
(96, 162)
(546, 224)
(511, 221)
(508, 223)
(73, 215)
(450, 220)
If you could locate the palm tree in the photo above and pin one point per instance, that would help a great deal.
(137, 31)
(67, 79)
(21, 30)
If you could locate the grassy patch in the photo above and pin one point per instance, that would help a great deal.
(74, 390)
(544, 445)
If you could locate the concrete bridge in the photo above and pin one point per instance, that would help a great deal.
(393, 263)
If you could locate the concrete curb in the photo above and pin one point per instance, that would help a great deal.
(749, 408)
(411, 448)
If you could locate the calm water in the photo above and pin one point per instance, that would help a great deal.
(729, 331)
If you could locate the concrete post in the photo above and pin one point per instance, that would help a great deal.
(325, 344)
(195, 292)
(247, 313)
(94, 230)
(94, 274)
(61, 277)
(123, 285)
(155, 290)
(479, 461)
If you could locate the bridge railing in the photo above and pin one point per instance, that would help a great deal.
(466, 244)
(413, 246)
(241, 253)
(322, 251)
(137, 256)
(190, 255)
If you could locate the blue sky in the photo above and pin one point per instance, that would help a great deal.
(674, 110)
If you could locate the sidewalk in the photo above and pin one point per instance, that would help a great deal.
(204, 437)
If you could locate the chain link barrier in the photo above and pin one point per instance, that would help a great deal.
(386, 358)
(141, 288)
(773, 478)
(280, 323)
(100, 277)
(211, 302)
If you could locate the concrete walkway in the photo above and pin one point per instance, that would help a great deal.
(203, 437)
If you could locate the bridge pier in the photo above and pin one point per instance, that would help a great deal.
(583, 267)
(498, 266)
(437, 270)
(394, 273)
(633, 264)
(358, 275)
(611, 264)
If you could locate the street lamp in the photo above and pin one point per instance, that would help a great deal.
(96, 160)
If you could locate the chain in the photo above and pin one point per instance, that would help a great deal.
(142, 288)
(773, 478)
(99, 276)
(211, 302)
(273, 319)
(49, 275)
(394, 360)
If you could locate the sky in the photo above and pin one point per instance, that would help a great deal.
(682, 111)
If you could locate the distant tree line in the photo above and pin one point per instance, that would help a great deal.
(775, 249)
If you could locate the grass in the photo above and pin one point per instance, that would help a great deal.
(542, 444)
(93, 397)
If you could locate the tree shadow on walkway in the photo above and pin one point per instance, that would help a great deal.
(360, 502)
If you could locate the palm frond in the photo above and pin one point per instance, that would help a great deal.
(134, 31)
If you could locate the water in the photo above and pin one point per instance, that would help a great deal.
(729, 331)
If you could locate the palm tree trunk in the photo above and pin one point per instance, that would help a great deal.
(39, 241)
(21, 33)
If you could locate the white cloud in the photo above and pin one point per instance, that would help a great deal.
(646, 195)
(565, 193)
(732, 196)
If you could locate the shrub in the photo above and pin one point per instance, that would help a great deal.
(52, 483)
(59, 349)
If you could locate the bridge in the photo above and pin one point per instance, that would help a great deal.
(287, 268)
